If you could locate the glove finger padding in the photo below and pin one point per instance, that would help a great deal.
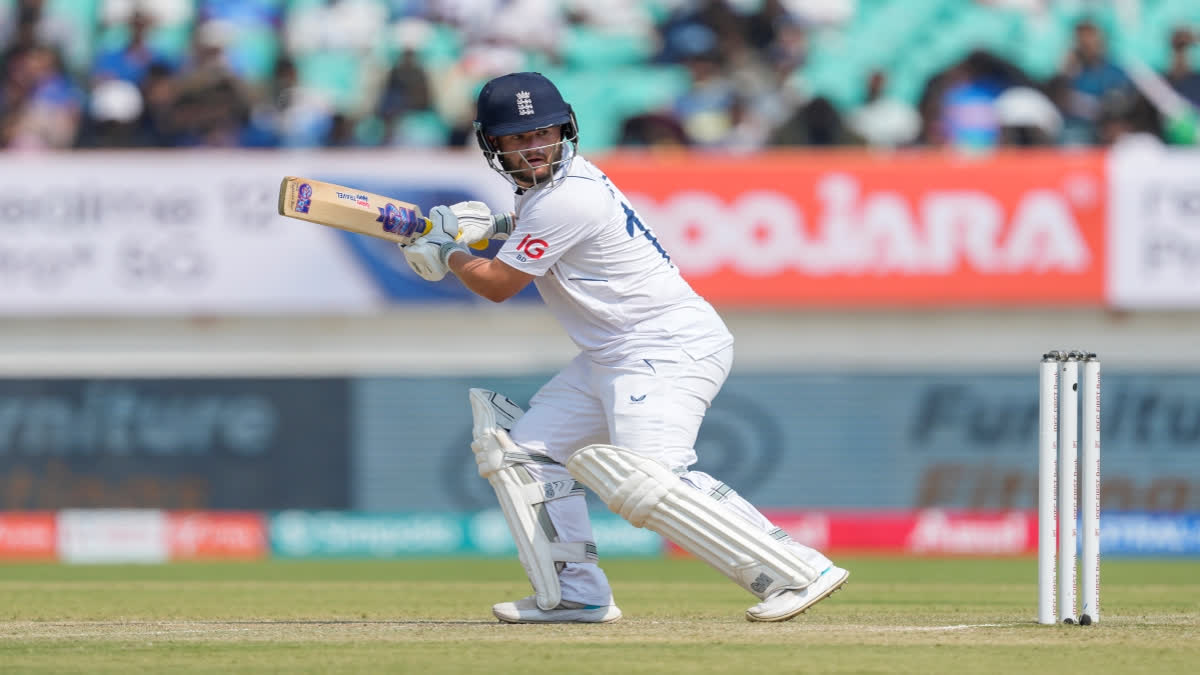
(475, 222)
(424, 257)
(445, 225)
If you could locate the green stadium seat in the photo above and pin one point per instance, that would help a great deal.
(589, 48)
(641, 90)
(174, 41)
(443, 48)
(81, 16)
(300, 5)
(254, 53)
(82, 12)
(337, 74)
(591, 96)
(422, 128)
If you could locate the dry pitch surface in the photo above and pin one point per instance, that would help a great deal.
(428, 617)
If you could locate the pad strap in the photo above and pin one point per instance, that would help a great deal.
(538, 493)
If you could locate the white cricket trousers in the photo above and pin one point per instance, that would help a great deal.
(653, 407)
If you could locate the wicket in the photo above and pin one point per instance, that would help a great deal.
(1060, 479)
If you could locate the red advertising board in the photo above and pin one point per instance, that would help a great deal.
(28, 535)
(932, 532)
(213, 535)
(859, 229)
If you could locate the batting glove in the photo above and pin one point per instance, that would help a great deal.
(477, 223)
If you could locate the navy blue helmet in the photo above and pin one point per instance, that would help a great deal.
(518, 103)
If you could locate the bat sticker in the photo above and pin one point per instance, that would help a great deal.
(397, 219)
(303, 198)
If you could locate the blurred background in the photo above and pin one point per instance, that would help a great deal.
(740, 75)
(897, 205)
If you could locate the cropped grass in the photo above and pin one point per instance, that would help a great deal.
(433, 616)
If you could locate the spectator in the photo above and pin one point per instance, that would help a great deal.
(967, 112)
(1075, 131)
(19, 28)
(817, 122)
(210, 108)
(1180, 73)
(696, 27)
(788, 49)
(269, 106)
(1092, 77)
(1126, 115)
(763, 27)
(704, 110)
(1027, 118)
(882, 121)
(653, 130)
(748, 61)
(341, 132)
(113, 119)
(157, 122)
(130, 61)
(50, 105)
(407, 88)
(748, 129)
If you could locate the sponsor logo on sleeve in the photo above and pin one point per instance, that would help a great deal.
(531, 249)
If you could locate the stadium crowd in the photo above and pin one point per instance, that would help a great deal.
(254, 73)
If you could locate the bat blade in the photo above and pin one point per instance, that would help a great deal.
(352, 210)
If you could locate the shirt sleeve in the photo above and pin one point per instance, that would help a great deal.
(554, 225)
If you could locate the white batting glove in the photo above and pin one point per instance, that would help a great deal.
(428, 255)
(476, 222)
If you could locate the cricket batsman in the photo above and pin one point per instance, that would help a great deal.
(622, 418)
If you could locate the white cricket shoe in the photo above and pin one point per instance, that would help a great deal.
(789, 603)
(526, 610)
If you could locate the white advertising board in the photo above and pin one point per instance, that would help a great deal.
(197, 233)
(1154, 227)
(112, 536)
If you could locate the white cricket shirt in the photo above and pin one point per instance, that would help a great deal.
(604, 275)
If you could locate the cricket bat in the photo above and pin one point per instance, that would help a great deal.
(356, 211)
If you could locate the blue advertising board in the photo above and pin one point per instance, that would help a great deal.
(820, 441)
(177, 443)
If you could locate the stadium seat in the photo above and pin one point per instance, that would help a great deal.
(586, 48)
(78, 18)
(641, 90)
(421, 128)
(173, 42)
(254, 52)
(336, 74)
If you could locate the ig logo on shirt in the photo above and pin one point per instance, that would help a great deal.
(533, 248)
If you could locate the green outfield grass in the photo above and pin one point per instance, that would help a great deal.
(432, 617)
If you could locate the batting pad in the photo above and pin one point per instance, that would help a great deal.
(648, 495)
(522, 498)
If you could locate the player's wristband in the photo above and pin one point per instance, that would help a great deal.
(448, 248)
(502, 224)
